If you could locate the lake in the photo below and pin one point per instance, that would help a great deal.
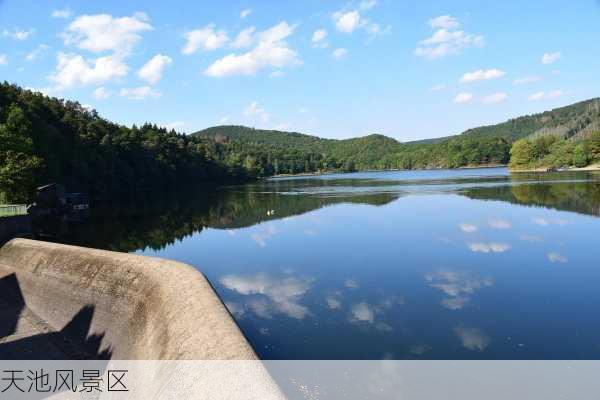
(453, 264)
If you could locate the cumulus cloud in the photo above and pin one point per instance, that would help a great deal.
(37, 52)
(280, 295)
(444, 22)
(318, 38)
(463, 98)
(152, 71)
(554, 257)
(347, 21)
(103, 32)
(447, 39)
(526, 80)
(458, 286)
(339, 53)
(551, 58)
(367, 4)
(495, 98)
(362, 312)
(467, 228)
(498, 223)
(65, 13)
(255, 111)
(139, 93)
(101, 93)
(472, 338)
(351, 283)
(177, 125)
(245, 13)
(3, 59)
(244, 39)
(333, 303)
(437, 88)
(73, 70)
(271, 51)
(19, 35)
(545, 95)
(531, 238)
(207, 38)
(482, 75)
(492, 247)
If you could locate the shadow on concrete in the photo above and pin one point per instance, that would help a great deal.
(26, 336)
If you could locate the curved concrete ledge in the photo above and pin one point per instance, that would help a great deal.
(139, 308)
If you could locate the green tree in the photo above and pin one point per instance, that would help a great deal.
(18, 164)
(580, 157)
(521, 154)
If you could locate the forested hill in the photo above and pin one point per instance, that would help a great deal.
(274, 152)
(44, 139)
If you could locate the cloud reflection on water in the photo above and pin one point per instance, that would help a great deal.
(279, 295)
(458, 286)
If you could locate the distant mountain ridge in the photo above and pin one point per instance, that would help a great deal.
(485, 145)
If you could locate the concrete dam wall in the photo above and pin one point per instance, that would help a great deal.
(85, 303)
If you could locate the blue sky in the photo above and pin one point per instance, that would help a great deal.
(409, 70)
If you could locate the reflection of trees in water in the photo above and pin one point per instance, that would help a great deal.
(161, 221)
(580, 197)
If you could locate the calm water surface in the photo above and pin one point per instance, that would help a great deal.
(461, 264)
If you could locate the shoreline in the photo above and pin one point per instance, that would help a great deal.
(383, 170)
(591, 167)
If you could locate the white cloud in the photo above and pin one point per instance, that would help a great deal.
(174, 125)
(224, 119)
(17, 34)
(545, 95)
(333, 303)
(152, 71)
(495, 98)
(101, 93)
(3, 59)
(437, 88)
(271, 51)
(546, 222)
(444, 22)
(73, 70)
(245, 13)
(277, 74)
(367, 4)
(279, 294)
(531, 238)
(458, 286)
(339, 53)
(551, 58)
(103, 32)
(206, 38)
(351, 283)
(254, 110)
(526, 80)
(139, 93)
(318, 37)
(37, 52)
(347, 22)
(362, 312)
(482, 75)
(447, 40)
(463, 98)
(244, 39)
(472, 338)
(376, 30)
(497, 223)
(64, 13)
(557, 258)
(467, 228)
(488, 247)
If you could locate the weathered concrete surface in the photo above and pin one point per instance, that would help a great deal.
(114, 305)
